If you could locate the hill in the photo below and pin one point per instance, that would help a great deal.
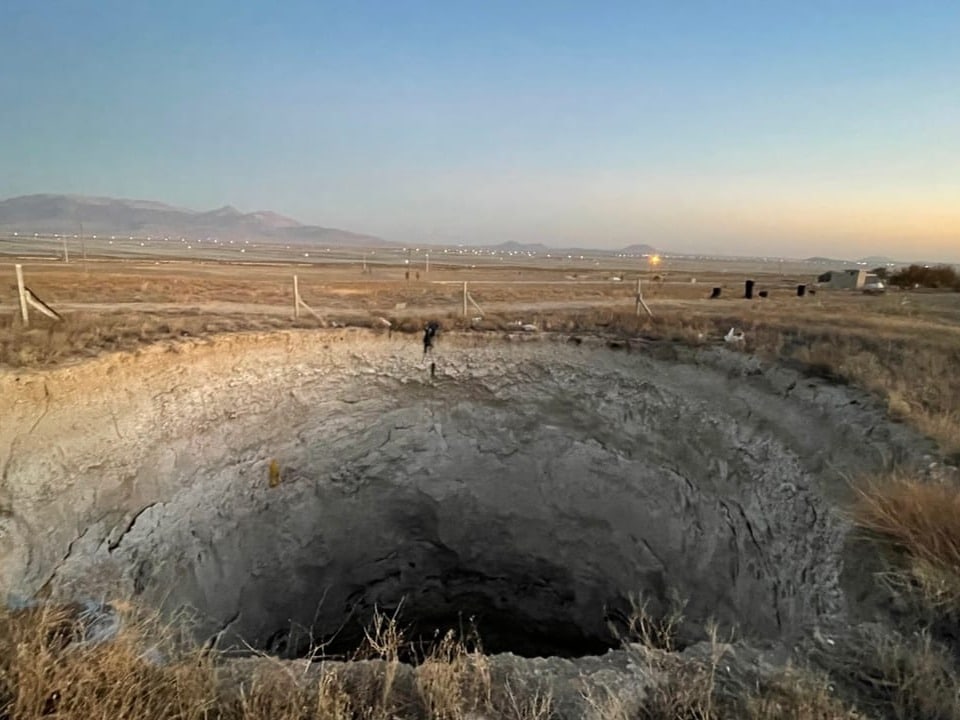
(113, 216)
(639, 249)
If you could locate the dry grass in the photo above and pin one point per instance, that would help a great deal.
(907, 677)
(798, 695)
(84, 335)
(920, 520)
(49, 670)
(45, 671)
(694, 687)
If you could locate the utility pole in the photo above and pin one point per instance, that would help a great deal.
(83, 248)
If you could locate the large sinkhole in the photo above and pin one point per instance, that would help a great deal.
(530, 490)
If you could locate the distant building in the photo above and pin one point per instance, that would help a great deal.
(846, 279)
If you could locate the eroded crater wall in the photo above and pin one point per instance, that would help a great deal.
(535, 482)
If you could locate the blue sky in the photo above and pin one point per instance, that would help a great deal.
(740, 127)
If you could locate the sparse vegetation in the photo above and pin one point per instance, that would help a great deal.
(48, 671)
(907, 676)
(920, 522)
(798, 695)
(940, 277)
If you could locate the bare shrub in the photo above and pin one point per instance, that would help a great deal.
(921, 521)
(937, 276)
(908, 677)
(46, 670)
(797, 695)
(454, 681)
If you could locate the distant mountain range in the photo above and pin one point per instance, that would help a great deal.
(873, 260)
(541, 249)
(70, 214)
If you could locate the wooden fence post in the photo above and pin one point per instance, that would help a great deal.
(296, 297)
(23, 295)
(465, 296)
(640, 302)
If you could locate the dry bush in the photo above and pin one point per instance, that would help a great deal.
(907, 677)
(49, 668)
(453, 681)
(686, 688)
(654, 632)
(285, 697)
(535, 704)
(921, 521)
(938, 276)
(797, 695)
(914, 377)
(692, 687)
(46, 670)
(384, 639)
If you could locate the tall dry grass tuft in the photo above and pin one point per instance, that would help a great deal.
(686, 686)
(285, 697)
(798, 695)
(908, 677)
(48, 670)
(921, 521)
(454, 682)
(384, 639)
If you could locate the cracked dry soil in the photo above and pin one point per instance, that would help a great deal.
(534, 486)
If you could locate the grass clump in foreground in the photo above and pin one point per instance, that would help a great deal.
(919, 520)
(914, 669)
(46, 671)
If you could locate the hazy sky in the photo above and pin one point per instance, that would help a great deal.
(794, 128)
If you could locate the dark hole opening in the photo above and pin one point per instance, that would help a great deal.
(492, 630)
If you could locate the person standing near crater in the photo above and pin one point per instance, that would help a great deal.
(429, 336)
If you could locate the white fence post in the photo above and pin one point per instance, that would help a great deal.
(23, 296)
(296, 297)
(640, 302)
